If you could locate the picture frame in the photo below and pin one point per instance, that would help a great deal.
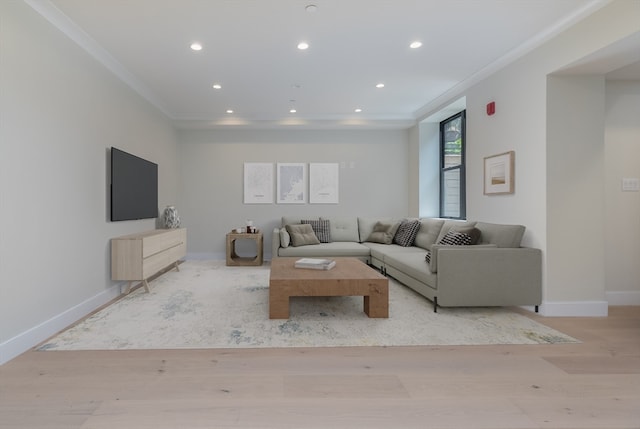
(499, 174)
(291, 183)
(324, 183)
(258, 183)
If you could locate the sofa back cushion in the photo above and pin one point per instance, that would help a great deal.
(501, 235)
(428, 232)
(295, 220)
(343, 229)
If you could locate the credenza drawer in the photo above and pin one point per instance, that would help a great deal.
(153, 244)
(161, 260)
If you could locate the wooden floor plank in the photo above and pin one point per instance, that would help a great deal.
(591, 384)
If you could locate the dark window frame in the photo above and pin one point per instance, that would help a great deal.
(461, 167)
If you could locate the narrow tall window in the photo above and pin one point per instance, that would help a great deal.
(452, 171)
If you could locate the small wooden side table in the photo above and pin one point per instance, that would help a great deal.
(232, 256)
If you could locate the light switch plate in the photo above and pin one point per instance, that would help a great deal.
(630, 184)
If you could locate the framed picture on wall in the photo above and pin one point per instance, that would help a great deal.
(323, 183)
(292, 183)
(499, 174)
(258, 183)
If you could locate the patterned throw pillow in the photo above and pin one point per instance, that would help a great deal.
(452, 238)
(321, 228)
(407, 232)
(455, 238)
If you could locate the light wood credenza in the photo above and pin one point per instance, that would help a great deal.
(136, 257)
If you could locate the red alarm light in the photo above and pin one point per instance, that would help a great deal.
(491, 108)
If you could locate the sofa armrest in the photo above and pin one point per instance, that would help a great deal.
(275, 243)
(492, 276)
(433, 264)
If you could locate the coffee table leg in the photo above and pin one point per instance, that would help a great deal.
(278, 307)
(376, 304)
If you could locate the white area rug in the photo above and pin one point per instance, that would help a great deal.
(210, 305)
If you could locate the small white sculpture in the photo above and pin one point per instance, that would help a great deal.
(171, 218)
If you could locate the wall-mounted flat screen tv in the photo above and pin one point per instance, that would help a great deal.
(134, 187)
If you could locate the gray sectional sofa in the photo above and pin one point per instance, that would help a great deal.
(495, 271)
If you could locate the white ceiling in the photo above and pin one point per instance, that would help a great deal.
(249, 47)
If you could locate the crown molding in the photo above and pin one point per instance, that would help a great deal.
(63, 23)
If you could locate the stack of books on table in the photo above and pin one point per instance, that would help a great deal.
(315, 264)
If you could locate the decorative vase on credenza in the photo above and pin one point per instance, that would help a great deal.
(170, 218)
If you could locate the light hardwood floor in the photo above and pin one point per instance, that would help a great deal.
(594, 384)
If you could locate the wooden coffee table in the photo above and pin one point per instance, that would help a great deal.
(350, 277)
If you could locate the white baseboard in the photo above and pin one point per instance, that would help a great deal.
(22, 342)
(623, 297)
(575, 309)
(220, 256)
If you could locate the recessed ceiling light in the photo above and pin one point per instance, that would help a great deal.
(292, 111)
(196, 46)
(217, 86)
(380, 85)
(415, 45)
(229, 111)
(303, 45)
(358, 110)
(311, 8)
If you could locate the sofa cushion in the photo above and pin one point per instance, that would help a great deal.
(302, 235)
(501, 235)
(407, 232)
(383, 233)
(366, 224)
(343, 229)
(412, 264)
(328, 250)
(285, 238)
(320, 228)
(380, 251)
(428, 232)
(294, 220)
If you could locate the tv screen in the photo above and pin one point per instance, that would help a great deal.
(134, 187)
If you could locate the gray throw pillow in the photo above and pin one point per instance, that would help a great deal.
(383, 233)
(285, 238)
(302, 235)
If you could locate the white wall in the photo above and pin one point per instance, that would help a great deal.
(575, 191)
(520, 124)
(60, 111)
(373, 179)
(622, 209)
